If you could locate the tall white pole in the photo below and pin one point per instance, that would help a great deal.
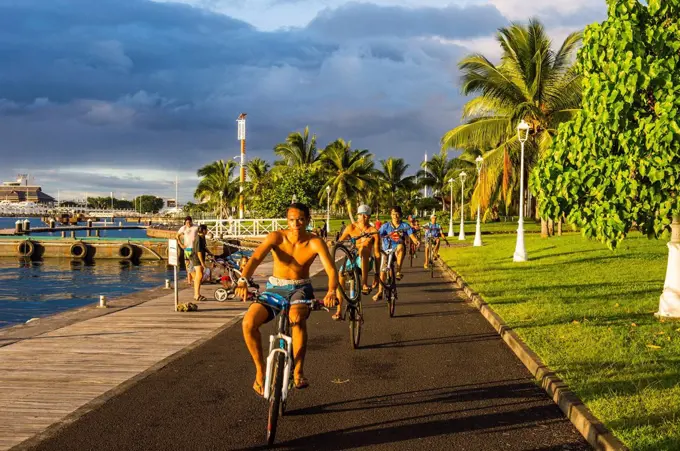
(328, 211)
(520, 253)
(451, 210)
(478, 232)
(425, 167)
(461, 235)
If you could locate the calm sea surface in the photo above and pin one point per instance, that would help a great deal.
(34, 289)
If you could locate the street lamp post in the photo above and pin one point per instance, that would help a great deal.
(461, 235)
(328, 209)
(294, 200)
(478, 232)
(241, 121)
(520, 253)
(451, 209)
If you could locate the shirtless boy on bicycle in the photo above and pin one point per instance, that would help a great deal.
(294, 251)
(366, 247)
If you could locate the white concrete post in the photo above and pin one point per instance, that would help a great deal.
(669, 303)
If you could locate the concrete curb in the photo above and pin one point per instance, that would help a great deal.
(585, 422)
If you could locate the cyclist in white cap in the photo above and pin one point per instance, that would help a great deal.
(367, 247)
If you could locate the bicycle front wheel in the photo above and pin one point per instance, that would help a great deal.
(349, 277)
(275, 397)
(356, 319)
(391, 291)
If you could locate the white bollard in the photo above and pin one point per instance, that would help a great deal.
(102, 302)
(167, 284)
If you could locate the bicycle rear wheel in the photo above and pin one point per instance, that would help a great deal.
(349, 283)
(275, 398)
(356, 319)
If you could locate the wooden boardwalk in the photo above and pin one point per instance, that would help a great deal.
(47, 377)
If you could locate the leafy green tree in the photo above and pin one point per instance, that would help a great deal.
(298, 150)
(148, 204)
(258, 171)
(218, 187)
(532, 82)
(277, 194)
(349, 172)
(617, 164)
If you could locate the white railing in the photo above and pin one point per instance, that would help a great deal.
(236, 228)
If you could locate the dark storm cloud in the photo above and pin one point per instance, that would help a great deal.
(133, 83)
(360, 20)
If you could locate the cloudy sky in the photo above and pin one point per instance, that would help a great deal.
(124, 95)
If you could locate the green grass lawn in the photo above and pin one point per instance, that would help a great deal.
(588, 313)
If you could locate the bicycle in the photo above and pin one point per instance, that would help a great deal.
(279, 379)
(413, 250)
(429, 250)
(232, 266)
(345, 257)
(390, 283)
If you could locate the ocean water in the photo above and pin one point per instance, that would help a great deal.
(9, 223)
(34, 289)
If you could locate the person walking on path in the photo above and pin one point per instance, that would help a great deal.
(186, 235)
(294, 250)
(368, 249)
(394, 233)
(200, 250)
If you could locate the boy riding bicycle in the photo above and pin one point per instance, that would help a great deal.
(433, 231)
(294, 250)
(394, 234)
(367, 247)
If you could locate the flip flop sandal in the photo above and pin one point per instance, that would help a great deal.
(378, 297)
(200, 298)
(366, 290)
(259, 389)
(399, 276)
(338, 317)
(301, 383)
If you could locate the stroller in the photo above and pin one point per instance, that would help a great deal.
(231, 267)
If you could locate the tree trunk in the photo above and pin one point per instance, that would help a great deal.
(544, 228)
(348, 204)
(559, 226)
(551, 227)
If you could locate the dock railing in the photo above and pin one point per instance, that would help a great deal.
(241, 228)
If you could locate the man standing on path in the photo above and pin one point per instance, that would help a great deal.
(186, 235)
(394, 233)
(294, 251)
(367, 247)
(200, 250)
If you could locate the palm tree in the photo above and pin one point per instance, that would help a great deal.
(298, 150)
(257, 170)
(217, 188)
(391, 178)
(349, 172)
(532, 82)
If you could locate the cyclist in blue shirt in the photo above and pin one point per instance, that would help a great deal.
(393, 234)
(433, 231)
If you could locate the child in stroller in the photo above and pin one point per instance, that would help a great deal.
(231, 267)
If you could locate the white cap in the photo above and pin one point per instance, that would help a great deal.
(364, 210)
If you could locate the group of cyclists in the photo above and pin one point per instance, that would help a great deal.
(295, 249)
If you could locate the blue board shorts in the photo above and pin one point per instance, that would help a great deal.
(357, 263)
(289, 292)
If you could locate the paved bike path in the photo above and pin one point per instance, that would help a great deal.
(435, 377)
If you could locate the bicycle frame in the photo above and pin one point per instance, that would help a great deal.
(285, 347)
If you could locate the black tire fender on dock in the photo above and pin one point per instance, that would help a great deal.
(78, 250)
(25, 249)
(127, 251)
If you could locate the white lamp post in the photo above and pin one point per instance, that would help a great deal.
(451, 207)
(461, 235)
(520, 254)
(328, 209)
(478, 233)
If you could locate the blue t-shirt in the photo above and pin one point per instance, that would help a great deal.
(433, 230)
(388, 228)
